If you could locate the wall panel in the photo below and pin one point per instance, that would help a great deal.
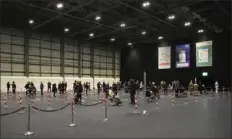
(34, 42)
(34, 68)
(17, 49)
(18, 67)
(45, 69)
(46, 52)
(18, 58)
(45, 44)
(5, 67)
(5, 39)
(34, 51)
(6, 48)
(17, 40)
(68, 70)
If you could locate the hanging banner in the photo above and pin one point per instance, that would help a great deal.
(204, 54)
(164, 57)
(183, 56)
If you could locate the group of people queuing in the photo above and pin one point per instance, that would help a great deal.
(13, 87)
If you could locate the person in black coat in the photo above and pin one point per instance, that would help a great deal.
(8, 87)
(65, 86)
(132, 90)
(13, 87)
(59, 87)
(27, 88)
(54, 89)
(80, 90)
(165, 87)
(41, 88)
(49, 86)
(98, 87)
(115, 89)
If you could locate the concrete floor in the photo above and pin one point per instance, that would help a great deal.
(208, 117)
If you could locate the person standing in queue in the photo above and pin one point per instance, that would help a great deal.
(54, 89)
(59, 87)
(80, 90)
(62, 88)
(13, 87)
(41, 88)
(8, 87)
(49, 86)
(165, 87)
(115, 89)
(132, 90)
(98, 88)
(65, 86)
(76, 95)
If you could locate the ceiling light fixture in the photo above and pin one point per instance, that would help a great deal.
(66, 29)
(187, 24)
(171, 17)
(112, 39)
(200, 31)
(91, 34)
(143, 32)
(59, 5)
(122, 25)
(31, 21)
(160, 37)
(97, 18)
(146, 4)
(129, 43)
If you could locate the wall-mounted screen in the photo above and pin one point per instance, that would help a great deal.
(182, 56)
(204, 54)
(164, 57)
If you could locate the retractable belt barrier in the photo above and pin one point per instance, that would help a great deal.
(52, 110)
(13, 112)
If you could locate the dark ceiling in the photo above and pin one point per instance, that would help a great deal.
(79, 16)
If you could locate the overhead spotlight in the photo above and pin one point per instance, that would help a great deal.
(91, 34)
(171, 17)
(187, 24)
(160, 37)
(146, 4)
(112, 39)
(143, 32)
(31, 21)
(66, 29)
(200, 31)
(59, 5)
(122, 25)
(129, 43)
(97, 18)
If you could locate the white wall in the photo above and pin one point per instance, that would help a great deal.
(22, 80)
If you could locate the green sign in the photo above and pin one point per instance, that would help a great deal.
(204, 54)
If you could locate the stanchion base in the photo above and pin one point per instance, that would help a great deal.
(5, 106)
(72, 125)
(49, 108)
(144, 113)
(136, 111)
(173, 104)
(21, 112)
(28, 133)
(105, 120)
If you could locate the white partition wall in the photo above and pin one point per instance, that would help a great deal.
(26, 56)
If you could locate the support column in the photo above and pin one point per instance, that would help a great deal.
(92, 63)
(80, 55)
(62, 58)
(145, 81)
(113, 62)
(26, 53)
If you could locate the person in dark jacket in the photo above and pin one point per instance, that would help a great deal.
(62, 88)
(54, 89)
(27, 88)
(80, 91)
(41, 88)
(132, 90)
(8, 87)
(98, 87)
(165, 87)
(13, 87)
(74, 86)
(59, 87)
(49, 86)
(65, 86)
(115, 89)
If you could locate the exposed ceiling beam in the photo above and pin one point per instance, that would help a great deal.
(69, 11)
(49, 4)
(114, 31)
(222, 8)
(151, 16)
(95, 27)
(101, 11)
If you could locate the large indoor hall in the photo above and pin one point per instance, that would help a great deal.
(115, 69)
